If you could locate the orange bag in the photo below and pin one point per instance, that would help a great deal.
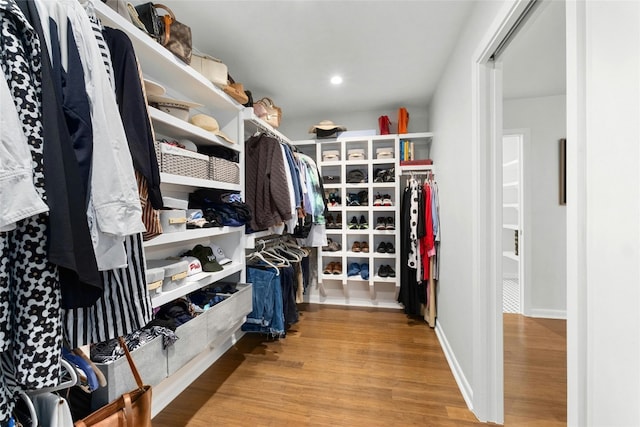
(403, 120)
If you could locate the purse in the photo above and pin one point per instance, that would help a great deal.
(384, 123)
(272, 114)
(170, 33)
(403, 120)
(132, 409)
(212, 68)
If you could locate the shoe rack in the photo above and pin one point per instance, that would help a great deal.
(359, 266)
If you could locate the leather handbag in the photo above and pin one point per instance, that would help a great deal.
(212, 68)
(384, 123)
(132, 409)
(272, 114)
(169, 32)
(403, 120)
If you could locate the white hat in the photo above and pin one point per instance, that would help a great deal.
(153, 88)
(195, 266)
(220, 255)
(326, 125)
(176, 107)
(209, 123)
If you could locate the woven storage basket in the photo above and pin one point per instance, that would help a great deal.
(178, 161)
(224, 170)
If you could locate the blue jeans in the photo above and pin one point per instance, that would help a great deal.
(267, 315)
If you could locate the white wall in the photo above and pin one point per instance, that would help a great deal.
(545, 117)
(603, 96)
(450, 116)
(297, 127)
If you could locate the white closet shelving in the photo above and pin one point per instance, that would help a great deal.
(376, 291)
(183, 82)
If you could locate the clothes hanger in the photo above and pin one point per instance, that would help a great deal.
(84, 366)
(73, 380)
(282, 261)
(258, 254)
(32, 410)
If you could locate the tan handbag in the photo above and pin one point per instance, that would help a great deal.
(212, 68)
(272, 114)
(132, 409)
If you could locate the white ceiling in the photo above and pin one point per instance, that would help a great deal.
(391, 53)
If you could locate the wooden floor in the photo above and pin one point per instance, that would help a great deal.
(352, 367)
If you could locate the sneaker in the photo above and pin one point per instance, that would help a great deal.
(353, 225)
(390, 271)
(382, 271)
(334, 246)
(382, 248)
(363, 198)
(390, 249)
(330, 222)
(389, 225)
(339, 221)
(386, 200)
(363, 223)
(353, 200)
(378, 200)
(381, 224)
(364, 271)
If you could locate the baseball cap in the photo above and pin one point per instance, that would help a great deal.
(207, 258)
(219, 254)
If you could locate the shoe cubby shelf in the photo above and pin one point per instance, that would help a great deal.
(355, 184)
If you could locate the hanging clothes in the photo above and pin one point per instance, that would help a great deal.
(30, 329)
(412, 293)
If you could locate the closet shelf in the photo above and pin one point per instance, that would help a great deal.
(330, 163)
(510, 226)
(166, 124)
(167, 178)
(513, 184)
(207, 279)
(383, 185)
(162, 66)
(510, 163)
(255, 124)
(416, 168)
(183, 236)
(510, 205)
(383, 161)
(511, 255)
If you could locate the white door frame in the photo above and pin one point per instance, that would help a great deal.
(488, 368)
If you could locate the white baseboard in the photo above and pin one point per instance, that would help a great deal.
(458, 374)
(548, 313)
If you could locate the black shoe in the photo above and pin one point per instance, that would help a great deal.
(353, 225)
(381, 224)
(353, 200)
(363, 223)
(390, 271)
(330, 223)
(382, 248)
(339, 221)
(382, 271)
(389, 225)
(389, 248)
(363, 198)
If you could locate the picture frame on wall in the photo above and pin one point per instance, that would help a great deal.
(562, 187)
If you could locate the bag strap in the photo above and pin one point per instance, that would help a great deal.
(168, 19)
(136, 374)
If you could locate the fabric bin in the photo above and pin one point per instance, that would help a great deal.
(230, 312)
(173, 220)
(355, 154)
(179, 161)
(154, 279)
(224, 170)
(175, 203)
(151, 361)
(330, 155)
(384, 153)
(192, 340)
(175, 272)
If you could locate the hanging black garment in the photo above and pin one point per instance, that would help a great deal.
(70, 244)
(412, 294)
(133, 111)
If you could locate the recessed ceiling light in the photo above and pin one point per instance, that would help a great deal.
(336, 80)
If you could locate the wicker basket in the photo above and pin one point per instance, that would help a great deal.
(224, 170)
(178, 161)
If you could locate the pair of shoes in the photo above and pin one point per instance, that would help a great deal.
(353, 200)
(332, 246)
(383, 223)
(333, 268)
(384, 175)
(386, 271)
(334, 199)
(386, 200)
(358, 199)
(386, 248)
(355, 225)
(361, 269)
(360, 247)
(333, 223)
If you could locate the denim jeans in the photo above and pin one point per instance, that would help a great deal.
(267, 315)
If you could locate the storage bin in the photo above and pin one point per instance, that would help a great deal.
(331, 155)
(355, 154)
(173, 220)
(230, 312)
(384, 153)
(175, 203)
(224, 170)
(192, 340)
(154, 279)
(175, 272)
(151, 361)
(178, 161)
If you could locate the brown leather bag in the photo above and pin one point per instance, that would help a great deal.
(272, 114)
(132, 409)
(170, 33)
